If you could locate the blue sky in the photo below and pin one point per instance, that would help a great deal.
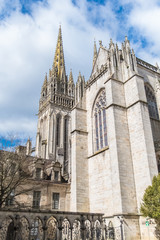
(28, 35)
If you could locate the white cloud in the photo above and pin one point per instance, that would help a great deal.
(144, 18)
(27, 46)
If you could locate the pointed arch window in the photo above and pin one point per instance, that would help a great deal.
(58, 127)
(65, 137)
(100, 125)
(66, 119)
(152, 104)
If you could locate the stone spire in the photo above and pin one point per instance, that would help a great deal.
(95, 53)
(58, 64)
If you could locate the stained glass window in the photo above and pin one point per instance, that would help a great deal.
(100, 121)
(105, 127)
(96, 125)
(100, 129)
(152, 105)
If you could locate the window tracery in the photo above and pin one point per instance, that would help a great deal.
(152, 105)
(99, 113)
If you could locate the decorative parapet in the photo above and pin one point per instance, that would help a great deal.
(146, 65)
(63, 100)
(36, 224)
(59, 100)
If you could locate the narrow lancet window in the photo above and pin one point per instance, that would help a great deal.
(100, 126)
(65, 138)
(96, 125)
(58, 130)
(152, 105)
(100, 129)
(105, 127)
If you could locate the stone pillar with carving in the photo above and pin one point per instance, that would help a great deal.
(59, 234)
(44, 227)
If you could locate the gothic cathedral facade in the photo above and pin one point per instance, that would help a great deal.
(104, 132)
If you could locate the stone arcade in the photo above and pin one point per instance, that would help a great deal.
(101, 138)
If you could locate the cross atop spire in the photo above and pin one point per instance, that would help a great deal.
(58, 64)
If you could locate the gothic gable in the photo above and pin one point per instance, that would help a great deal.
(100, 62)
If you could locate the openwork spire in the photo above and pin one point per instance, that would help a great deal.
(59, 65)
(95, 53)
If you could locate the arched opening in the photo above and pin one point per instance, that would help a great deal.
(110, 231)
(36, 231)
(76, 232)
(58, 128)
(98, 230)
(52, 229)
(152, 104)
(88, 229)
(99, 121)
(66, 232)
(65, 143)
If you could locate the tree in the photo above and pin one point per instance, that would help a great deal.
(151, 203)
(15, 171)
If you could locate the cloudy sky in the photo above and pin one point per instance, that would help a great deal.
(28, 35)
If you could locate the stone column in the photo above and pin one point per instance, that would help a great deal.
(59, 235)
(44, 228)
(141, 140)
(71, 228)
(82, 220)
(79, 179)
(16, 222)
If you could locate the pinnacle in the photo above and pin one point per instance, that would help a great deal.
(100, 43)
(71, 77)
(95, 53)
(45, 80)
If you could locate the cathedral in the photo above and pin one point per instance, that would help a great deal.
(100, 139)
(104, 133)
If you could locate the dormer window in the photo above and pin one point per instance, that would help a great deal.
(38, 173)
(56, 175)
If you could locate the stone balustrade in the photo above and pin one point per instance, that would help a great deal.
(50, 225)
